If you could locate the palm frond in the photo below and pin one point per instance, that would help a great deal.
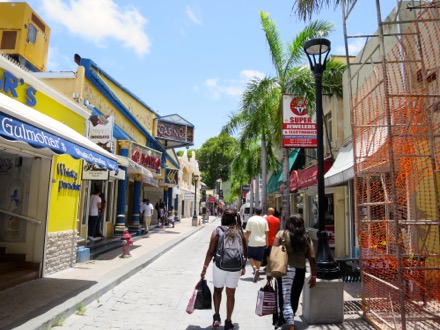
(274, 40)
(305, 8)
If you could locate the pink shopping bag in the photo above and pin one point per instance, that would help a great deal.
(266, 300)
(192, 300)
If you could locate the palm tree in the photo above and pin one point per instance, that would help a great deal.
(284, 62)
(305, 8)
(256, 123)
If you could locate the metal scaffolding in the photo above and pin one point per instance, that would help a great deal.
(395, 117)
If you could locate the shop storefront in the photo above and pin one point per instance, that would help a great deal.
(305, 182)
(44, 188)
(340, 178)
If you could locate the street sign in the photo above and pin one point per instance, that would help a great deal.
(299, 130)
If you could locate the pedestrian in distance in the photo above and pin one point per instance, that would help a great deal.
(94, 207)
(146, 211)
(161, 209)
(299, 247)
(256, 236)
(221, 277)
(100, 223)
(274, 226)
(170, 217)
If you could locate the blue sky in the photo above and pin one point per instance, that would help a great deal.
(192, 58)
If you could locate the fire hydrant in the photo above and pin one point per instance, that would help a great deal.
(126, 242)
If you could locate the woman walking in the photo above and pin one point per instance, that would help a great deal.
(222, 278)
(299, 247)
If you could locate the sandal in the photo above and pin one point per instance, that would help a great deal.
(229, 325)
(216, 321)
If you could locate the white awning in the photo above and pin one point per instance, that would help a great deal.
(135, 168)
(23, 125)
(342, 169)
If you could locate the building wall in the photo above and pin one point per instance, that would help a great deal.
(65, 193)
(60, 251)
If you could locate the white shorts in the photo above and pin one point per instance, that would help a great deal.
(222, 278)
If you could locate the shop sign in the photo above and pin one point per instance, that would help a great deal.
(299, 130)
(146, 157)
(94, 172)
(14, 129)
(171, 176)
(11, 86)
(188, 196)
(67, 174)
(174, 132)
(101, 131)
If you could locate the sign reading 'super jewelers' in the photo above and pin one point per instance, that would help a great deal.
(145, 156)
(299, 130)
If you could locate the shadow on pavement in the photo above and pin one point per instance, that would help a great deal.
(31, 299)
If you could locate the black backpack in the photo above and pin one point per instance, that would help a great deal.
(229, 255)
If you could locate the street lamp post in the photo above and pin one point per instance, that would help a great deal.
(317, 51)
(194, 218)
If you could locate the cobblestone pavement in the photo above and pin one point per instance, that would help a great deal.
(156, 297)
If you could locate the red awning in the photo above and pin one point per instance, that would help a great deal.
(308, 176)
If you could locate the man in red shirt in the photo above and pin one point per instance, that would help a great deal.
(274, 226)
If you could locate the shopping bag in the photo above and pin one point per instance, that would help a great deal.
(278, 260)
(203, 297)
(266, 300)
(191, 302)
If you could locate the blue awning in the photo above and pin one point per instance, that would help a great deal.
(21, 123)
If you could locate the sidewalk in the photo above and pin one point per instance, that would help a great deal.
(35, 304)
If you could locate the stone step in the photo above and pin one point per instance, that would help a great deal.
(17, 276)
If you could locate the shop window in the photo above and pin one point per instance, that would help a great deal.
(313, 217)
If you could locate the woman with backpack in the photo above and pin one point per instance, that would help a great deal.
(229, 249)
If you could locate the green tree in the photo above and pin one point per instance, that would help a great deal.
(284, 61)
(256, 122)
(215, 157)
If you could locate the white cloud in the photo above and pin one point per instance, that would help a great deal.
(354, 47)
(193, 16)
(251, 74)
(234, 87)
(99, 20)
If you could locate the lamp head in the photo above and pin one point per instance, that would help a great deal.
(316, 50)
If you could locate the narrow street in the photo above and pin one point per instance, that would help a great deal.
(156, 296)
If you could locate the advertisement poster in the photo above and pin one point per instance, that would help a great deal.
(299, 130)
(101, 131)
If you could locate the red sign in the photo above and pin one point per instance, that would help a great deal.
(211, 199)
(146, 157)
(299, 130)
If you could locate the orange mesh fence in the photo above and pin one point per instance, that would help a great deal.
(396, 140)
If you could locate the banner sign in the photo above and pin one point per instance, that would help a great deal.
(299, 130)
(101, 131)
(13, 129)
(145, 156)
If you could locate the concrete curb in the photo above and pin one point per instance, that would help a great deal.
(112, 279)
